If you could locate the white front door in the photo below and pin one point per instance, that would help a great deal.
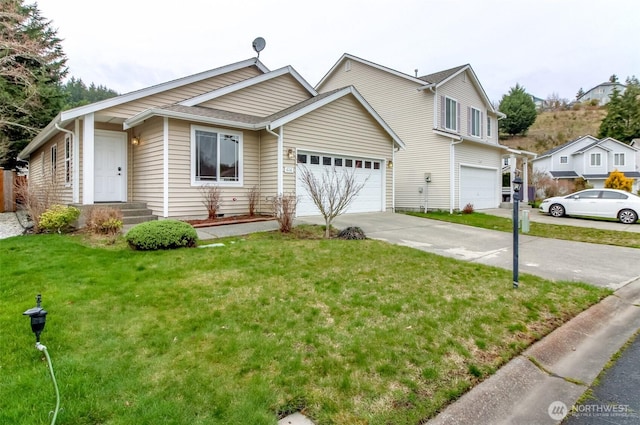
(110, 166)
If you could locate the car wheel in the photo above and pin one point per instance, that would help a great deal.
(627, 216)
(556, 210)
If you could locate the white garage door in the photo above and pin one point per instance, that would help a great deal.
(369, 199)
(478, 187)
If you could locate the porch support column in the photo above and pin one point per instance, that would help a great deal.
(88, 159)
(280, 161)
(75, 162)
(165, 166)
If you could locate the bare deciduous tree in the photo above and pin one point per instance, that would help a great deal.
(333, 193)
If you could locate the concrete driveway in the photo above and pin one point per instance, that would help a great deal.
(553, 259)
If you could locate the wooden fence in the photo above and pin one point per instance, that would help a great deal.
(7, 191)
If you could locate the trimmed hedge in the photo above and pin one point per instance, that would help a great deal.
(162, 234)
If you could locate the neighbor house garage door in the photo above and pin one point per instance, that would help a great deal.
(369, 171)
(478, 187)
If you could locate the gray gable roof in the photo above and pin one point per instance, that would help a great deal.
(438, 77)
(560, 147)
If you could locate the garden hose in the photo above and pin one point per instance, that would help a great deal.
(53, 377)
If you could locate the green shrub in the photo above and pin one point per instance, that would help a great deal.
(104, 220)
(162, 234)
(58, 218)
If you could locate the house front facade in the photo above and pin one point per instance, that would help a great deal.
(592, 159)
(240, 127)
(601, 94)
(450, 128)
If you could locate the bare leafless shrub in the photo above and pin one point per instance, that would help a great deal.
(333, 193)
(36, 198)
(284, 209)
(253, 195)
(104, 220)
(468, 209)
(211, 199)
(547, 187)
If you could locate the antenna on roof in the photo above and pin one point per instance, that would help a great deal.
(258, 45)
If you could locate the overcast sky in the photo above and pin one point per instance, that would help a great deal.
(548, 46)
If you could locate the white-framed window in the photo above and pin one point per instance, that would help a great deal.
(475, 122)
(68, 144)
(54, 162)
(564, 160)
(488, 126)
(216, 156)
(450, 114)
(618, 159)
(596, 159)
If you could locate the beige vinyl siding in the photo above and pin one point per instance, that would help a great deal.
(262, 99)
(146, 166)
(409, 113)
(179, 94)
(342, 127)
(185, 200)
(269, 167)
(462, 89)
(43, 182)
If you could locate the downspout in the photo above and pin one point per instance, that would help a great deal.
(393, 179)
(280, 160)
(452, 173)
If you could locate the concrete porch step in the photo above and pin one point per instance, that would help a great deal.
(132, 212)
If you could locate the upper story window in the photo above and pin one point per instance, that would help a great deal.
(564, 160)
(596, 159)
(488, 126)
(618, 159)
(450, 114)
(475, 122)
(216, 156)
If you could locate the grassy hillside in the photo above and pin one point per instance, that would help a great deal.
(557, 127)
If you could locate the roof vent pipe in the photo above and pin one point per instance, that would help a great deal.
(416, 71)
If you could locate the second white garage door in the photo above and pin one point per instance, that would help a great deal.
(370, 197)
(478, 187)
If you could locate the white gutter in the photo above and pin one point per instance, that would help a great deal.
(280, 159)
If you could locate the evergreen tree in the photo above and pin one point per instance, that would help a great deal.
(622, 121)
(32, 66)
(520, 110)
(78, 94)
(580, 93)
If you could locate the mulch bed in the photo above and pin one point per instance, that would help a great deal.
(237, 219)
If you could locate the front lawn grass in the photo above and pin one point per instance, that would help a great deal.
(556, 231)
(349, 332)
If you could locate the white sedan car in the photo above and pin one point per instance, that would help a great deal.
(604, 203)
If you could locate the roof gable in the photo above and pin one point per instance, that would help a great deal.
(565, 146)
(251, 122)
(138, 94)
(433, 80)
(248, 83)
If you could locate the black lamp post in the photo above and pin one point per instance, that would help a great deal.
(517, 185)
(38, 317)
